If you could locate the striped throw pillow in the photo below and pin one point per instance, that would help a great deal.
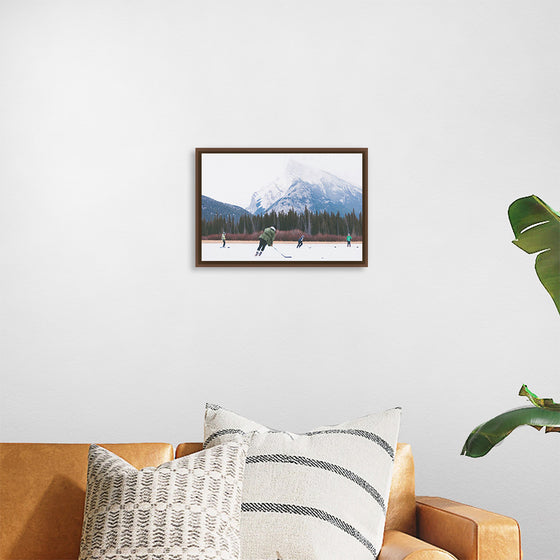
(319, 495)
(187, 509)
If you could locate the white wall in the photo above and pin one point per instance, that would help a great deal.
(109, 333)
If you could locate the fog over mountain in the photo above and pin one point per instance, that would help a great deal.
(302, 186)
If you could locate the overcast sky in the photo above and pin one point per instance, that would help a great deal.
(233, 178)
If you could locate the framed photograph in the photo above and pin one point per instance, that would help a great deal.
(281, 207)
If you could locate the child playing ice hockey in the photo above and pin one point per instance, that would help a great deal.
(223, 239)
(348, 240)
(265, 238)
(300, 242)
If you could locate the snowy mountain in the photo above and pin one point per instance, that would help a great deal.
(264, 198)
(302, 186)
(212, 208)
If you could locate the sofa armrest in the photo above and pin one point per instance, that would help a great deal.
(401, 546)
(467, 532)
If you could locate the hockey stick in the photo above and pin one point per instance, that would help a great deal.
(285, 256)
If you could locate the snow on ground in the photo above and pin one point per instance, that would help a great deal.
(245, 251)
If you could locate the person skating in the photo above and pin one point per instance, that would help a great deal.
(223, 240)
(348, 240)
(300, 242)
(265, 238)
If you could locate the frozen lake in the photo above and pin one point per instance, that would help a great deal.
(245, 251)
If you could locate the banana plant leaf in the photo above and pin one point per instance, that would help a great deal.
(536, 227)
(542, 403)
(544, 413)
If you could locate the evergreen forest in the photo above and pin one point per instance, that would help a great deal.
(319, 225)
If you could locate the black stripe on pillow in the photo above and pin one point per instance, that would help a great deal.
(360, 433)
(312, 512)
(315, 463)
(221, 433)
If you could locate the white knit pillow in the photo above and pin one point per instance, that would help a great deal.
(184, 509)
(315, 496)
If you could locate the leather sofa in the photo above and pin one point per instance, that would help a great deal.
(42, 491)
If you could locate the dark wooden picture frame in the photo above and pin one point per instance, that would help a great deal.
(300, 212)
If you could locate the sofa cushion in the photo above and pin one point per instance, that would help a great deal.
(186, 509)
(321, 494)
(401, 510)
(42, 492)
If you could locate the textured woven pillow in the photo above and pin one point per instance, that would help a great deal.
(184, 509)
(315, 496)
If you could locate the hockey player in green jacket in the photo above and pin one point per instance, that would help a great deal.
(265, 238)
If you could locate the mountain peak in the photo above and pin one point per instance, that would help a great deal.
(304, 186)
(298, 171)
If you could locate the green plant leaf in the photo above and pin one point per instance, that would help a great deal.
(484, 437)
(542, 403)
(536, 227)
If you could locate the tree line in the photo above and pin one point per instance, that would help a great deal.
(309, 223)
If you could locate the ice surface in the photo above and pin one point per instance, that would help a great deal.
(245, 251)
